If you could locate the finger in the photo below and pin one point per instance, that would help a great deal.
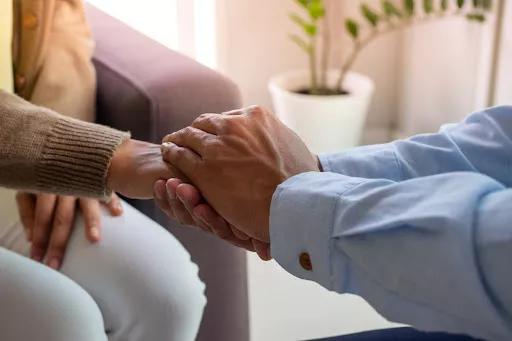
(262, 249)
(239, 234)
(114, 205)
(160, 195)
(91, 212)
(237, 111)
(63, 221)
(185, 160)
(191, 138)
(27, 209)
(210, 217)
(45, 207)
(209, 123)
(178, 208)
(182, 206)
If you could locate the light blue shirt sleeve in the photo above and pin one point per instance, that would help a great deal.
(481, 143)
(432, 252)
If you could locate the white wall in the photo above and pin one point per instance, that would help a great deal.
(444, 73)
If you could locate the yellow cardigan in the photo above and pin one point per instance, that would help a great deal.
(6, 79)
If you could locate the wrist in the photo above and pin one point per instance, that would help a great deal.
(319, 164)
(117, 164)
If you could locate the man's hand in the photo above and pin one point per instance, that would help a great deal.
(237, 160)
(49, 219)
(135, 168)
(183, 202)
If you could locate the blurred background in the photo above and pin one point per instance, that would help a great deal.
(424, 76)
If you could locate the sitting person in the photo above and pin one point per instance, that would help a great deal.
(122, 277)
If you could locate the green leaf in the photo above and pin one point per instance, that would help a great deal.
(409, 7)
(487, 5)
(298, 20)
(476, 17)
(303, 3)
(370, 15)
(352, 28)
(444, 5)
(428, 6)
(461, 3)
(316, 9)
(300, 42)
(390, 9)
(311, 30)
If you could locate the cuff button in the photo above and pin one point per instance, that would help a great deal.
(305, 262)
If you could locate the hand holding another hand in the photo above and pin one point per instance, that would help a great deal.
(184, 203)
(237, 160)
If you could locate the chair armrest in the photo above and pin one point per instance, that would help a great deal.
(148, 89)
(151, 91)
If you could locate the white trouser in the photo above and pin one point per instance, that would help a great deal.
(137, 284)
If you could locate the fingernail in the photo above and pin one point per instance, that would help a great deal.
(171, 195)
(167, 145)
(54, 263)
(28, 235)
(95, 233)
(37, 258)
(118, 207)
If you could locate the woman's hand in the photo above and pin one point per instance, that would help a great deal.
(48, 221)
(136, 166)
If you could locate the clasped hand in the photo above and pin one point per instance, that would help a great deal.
(219, 174)
(235, 161)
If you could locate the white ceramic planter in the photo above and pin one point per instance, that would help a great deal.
(325, 123)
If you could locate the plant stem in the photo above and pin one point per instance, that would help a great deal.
(313, 67)
(361, 44)
(326, 41)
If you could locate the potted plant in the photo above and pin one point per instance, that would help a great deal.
(328, 107)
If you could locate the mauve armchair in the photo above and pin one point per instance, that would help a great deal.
(150, 90)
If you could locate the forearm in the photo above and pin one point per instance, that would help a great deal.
(46, 152)
(481, 143)
(424, 252)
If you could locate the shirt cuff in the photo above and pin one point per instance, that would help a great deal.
(369, 162)
(301, 221)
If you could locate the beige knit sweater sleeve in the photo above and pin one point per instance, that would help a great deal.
(42, 151)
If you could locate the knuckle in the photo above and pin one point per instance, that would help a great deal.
(166, 138)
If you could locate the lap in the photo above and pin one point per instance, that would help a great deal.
(135, 263)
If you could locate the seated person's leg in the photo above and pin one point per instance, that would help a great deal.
(37, 303)
(139, 275)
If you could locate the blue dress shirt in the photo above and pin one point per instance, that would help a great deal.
(420, 228)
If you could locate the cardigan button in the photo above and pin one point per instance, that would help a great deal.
(305, 261)
(29, 20)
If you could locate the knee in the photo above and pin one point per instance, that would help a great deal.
(174, 306)
(42, 304)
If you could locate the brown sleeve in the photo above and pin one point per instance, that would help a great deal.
(43, 151)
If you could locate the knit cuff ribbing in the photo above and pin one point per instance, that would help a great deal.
(76, 157)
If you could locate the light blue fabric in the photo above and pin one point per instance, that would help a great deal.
(420, 228)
